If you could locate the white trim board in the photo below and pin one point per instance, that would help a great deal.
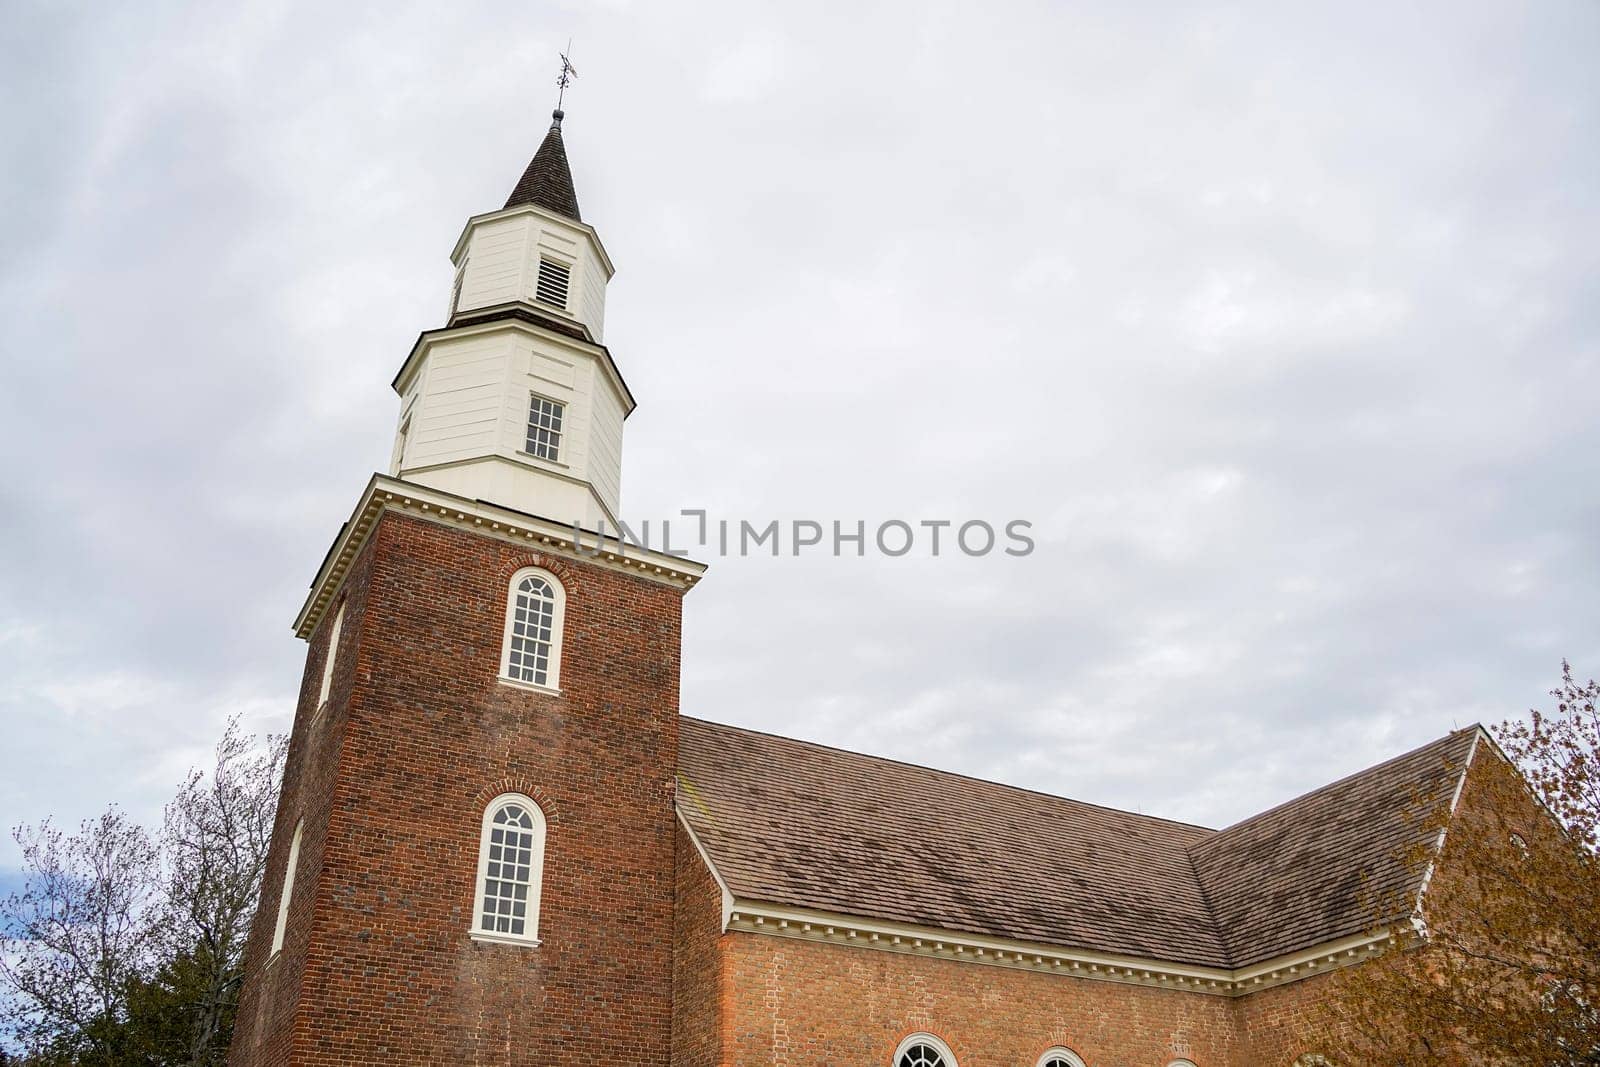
(391, 494)
(771, 920)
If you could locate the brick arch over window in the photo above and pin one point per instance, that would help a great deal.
(510, 870)
(536, 608)
(569, 576)
(548, 804)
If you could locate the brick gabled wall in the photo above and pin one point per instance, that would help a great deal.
(378, 965)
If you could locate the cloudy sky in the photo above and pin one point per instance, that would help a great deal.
(1282, 329)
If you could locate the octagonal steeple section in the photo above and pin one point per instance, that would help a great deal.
(535, 253)
(516, 401)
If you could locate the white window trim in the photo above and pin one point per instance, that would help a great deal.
(287, 894)
(561, 411)
(330, 659)
(558, 619)
(401, 440)
(535, 871)
(1061, 1052)
(924, 1039)
(455, 287)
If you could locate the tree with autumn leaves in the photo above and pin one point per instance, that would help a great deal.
(1497, 961)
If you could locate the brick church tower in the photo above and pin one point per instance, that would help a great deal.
(474, 852)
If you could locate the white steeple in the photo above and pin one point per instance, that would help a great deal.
(515, 401)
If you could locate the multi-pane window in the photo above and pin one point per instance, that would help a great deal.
(330, 657)
(509, 869)
(544, 428)
(554, 278)
(533, 629)
(288, 890)
(921, 1055)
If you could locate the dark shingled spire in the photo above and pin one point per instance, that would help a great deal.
(547, 182)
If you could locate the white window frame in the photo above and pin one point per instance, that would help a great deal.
(530, 936)
(561, 434)
(937, 1044)
(330, 659)
(558, 619)
(1063, 1054)
(455, 288)
(287, 894)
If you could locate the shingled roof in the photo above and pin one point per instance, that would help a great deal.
(790, 823)
(1309, 871)
(547, 182)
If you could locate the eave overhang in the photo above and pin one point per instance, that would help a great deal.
(755, 917)
(523, 318)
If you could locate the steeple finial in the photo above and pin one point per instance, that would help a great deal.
(548, 180)
(569, 74)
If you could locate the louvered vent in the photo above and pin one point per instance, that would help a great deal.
(553, 279)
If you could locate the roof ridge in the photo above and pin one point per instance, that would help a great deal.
(1336, 783)
(952, 774)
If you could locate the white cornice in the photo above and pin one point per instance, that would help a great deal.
(543, 213)
(772, 920)
(594, 351)
(391, 494)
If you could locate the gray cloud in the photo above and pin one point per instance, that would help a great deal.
(1280, 325)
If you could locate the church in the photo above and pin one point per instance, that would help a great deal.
(500, 842)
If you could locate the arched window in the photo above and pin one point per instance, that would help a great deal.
(1061, 1057)
(923, 1050)
(534, 616)
(510, 869)
(287, 893)
(329, 658)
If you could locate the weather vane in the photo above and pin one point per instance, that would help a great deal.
(569, 74)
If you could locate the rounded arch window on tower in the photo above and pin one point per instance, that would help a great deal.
(1061, 1056)
(510, 870)
(923, 1050)
(535, 614)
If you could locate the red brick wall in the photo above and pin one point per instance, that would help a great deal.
(697, 962)
(272, 986)
(804, 1003)
(1277, 1021)
(384, 971)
